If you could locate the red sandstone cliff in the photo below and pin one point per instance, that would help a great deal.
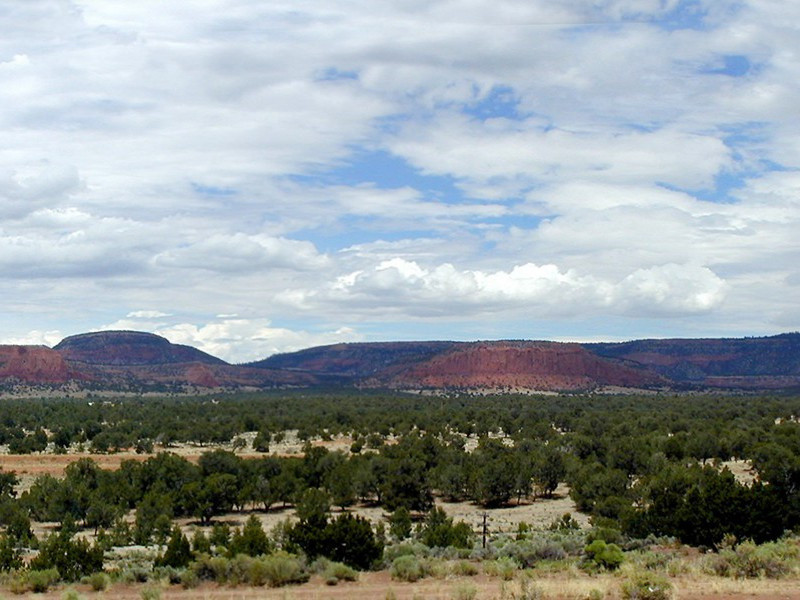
(530, 365)
(33, 364)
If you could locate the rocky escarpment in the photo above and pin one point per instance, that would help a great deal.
(519, 365)
(353, 362)
(762, 363)
(34, 364)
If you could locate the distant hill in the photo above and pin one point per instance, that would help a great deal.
(517, 366)
(353, 362)
(762, 362)
(129, 348)
(131, 360)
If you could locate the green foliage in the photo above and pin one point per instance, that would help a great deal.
(99, 582)
(282, 569)
(72, 558)
(439, 531)
(464, 591)
(603, 555)
(10, 554)
(333, 572)
(505, 568)
(646, 586)
(748, 560)
(408, 568)
(40, 580)
(350, 539)
(251, 540)
(178, 553)
(400, 523)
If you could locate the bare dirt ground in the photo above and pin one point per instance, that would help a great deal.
(380, 586)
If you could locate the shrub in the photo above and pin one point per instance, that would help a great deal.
(464, 568)
(606, 556)
(282, 568)
(505, 568)
(189, 579)
(335, 572)
(440, 531)
(647, 586)
(405, 549)
(748, 560)
(71, 558)
(251, 540)
(98, 582)
(408, 568)
(71, 595)
(530, 551)
(465, 591)
(179, 551)
(151, 592)
(39, 581)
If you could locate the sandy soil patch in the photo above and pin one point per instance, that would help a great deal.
(380, 585)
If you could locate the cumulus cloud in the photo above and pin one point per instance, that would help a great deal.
(352, 162)
(540, 290)
(247, 340)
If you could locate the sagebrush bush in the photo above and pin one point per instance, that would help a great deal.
(408, 568)
(748, 560)
(646, 585)
(98, 582)
(39, 581)
(505, 568)
(464, 568)
(336, 571)
(282, 568)
(464, 591)
(405, 549)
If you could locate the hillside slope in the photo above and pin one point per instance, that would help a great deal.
(763, 362)
(517, 365)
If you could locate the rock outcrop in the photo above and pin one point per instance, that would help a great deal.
(34, 364)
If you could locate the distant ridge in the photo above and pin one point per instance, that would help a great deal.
(129, 348)
(133, 360)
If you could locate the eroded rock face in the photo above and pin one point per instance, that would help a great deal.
(33, 364)
(533, 365)
(129, 348)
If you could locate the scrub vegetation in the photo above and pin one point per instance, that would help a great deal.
(647, 470)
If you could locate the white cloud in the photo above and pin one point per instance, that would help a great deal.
(176, 164)
(541, 290)
(146, 314)
(247, 340)
(240, 252)
(35, 338)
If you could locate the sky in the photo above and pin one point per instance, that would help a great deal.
(254, 177)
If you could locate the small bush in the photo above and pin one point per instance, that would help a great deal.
(605, 556)
(405, 549)
(151, 592)
(18, 584)
(465, 591)
(505, 568)
(189, 579)
(282, 568)
(647, 586)
(40, 581)
(337, 572)
(464, 568)
(98, 582)
(408, 568)
(748, 560)
(71, 595)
